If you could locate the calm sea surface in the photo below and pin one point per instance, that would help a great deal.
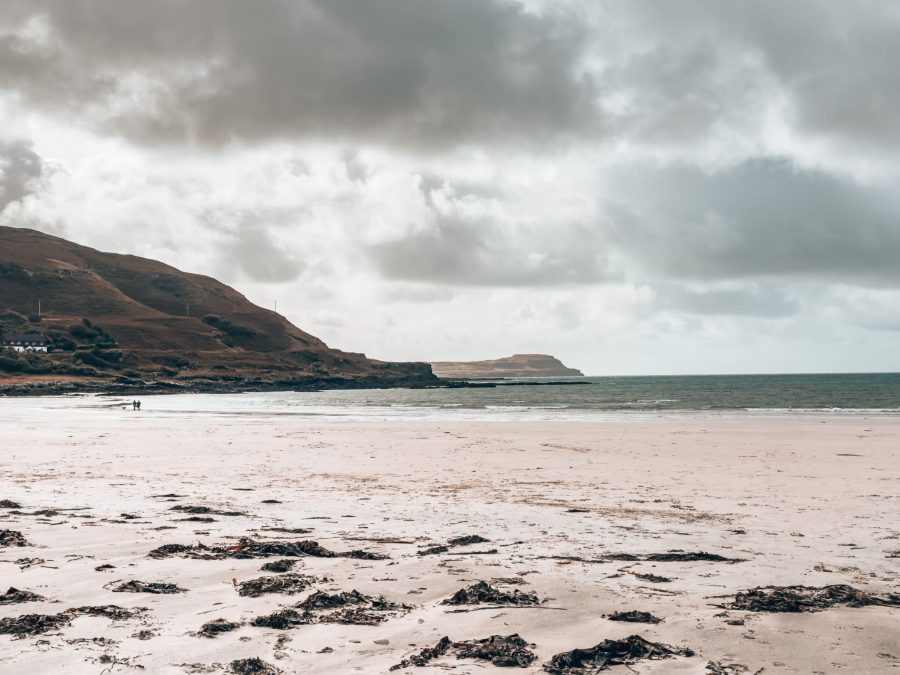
(600, 397)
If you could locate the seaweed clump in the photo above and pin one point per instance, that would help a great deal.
(250, 548)
(288, 584)
(349, 608)
(509, 651)
(808, 598)
(12, 538)
(154, 587)
(215, 627)
(611, 653)
(14, 596)
(634, 616)
(483, 593)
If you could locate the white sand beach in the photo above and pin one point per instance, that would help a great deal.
(809, 500)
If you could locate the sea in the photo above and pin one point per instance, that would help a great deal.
(591, 398)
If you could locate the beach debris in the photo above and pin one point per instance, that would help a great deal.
(288, 530)
(807, 598)
(270, 501)
(12, 538)
(508, 651)
(205, 510)
(196, 519)
(144, 635)
(509, 581)
(466, 540)
(36, 624)
(652, 578)
(104, 567)
(213, 628)
(283, 619)
(33, 624)
(681, 556)
(25, 563)
(249, 548)
(633, 616)
(351, 608)
(283, 565)
(483, 593)
(14, 596)
(135, 586)
(254, 666)
(719, 668)
(9, 504)
(287, 584)
(611, 653)
(112, 612)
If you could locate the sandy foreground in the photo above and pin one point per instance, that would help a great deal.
(804, 500)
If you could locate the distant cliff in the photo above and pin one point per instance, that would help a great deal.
(518, 365)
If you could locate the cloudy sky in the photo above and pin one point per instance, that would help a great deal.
(635, 186)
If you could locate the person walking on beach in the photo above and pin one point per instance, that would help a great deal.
(133, 404)
(138, 405)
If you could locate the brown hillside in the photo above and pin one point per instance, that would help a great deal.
(117, 313)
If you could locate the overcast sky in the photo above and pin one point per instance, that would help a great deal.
(634, 186)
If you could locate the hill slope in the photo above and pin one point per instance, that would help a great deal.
(518, 365)
(120, 317)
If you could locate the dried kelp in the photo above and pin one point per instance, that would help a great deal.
(12, 538)
(681, 556)
(285, 565)
(808, 598)
(112, 612)
(250, 548)
(501, 650)
(283, 619)
(9, 504)
(213, 628)
(466, 540)
(633, 616)
(14, 596)
(611, 653)
(33, 624)
(483, 593)
(252, 666)
(288, 584)
(135, 586)
(717, 668)
(352, 608)
(205, 510)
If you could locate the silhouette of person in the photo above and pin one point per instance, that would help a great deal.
(138, 405)
(133, 404)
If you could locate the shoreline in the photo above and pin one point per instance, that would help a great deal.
(799, 500)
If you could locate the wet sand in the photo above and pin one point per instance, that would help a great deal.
(804, 500)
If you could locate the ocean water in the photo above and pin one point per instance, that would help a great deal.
(598, 397)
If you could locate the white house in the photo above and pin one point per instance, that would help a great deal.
(26, 342)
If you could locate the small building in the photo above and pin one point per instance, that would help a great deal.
(26, 342)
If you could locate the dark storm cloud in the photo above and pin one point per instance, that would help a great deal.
(702, 62)
(20, 171)
(403, 71)
(761, 218)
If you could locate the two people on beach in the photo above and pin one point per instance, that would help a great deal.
(135, 405)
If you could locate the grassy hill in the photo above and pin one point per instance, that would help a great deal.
(134, 322)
